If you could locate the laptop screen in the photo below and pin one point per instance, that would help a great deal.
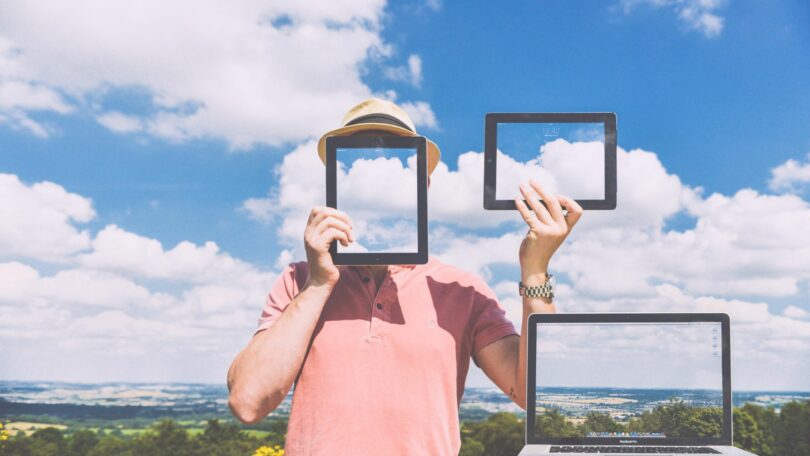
(629, 380)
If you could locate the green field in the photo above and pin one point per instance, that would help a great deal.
(762, 430)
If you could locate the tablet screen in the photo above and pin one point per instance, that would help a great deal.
(377, 188)
(573, 154)
(566, 158)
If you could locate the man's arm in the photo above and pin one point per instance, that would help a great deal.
(504, 361)
(262, 374)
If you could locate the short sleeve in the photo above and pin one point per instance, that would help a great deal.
(490, 322)
(282, 292)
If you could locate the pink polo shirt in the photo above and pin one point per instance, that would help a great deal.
(386, 370)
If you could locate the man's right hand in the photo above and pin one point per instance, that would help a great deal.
(325, 225)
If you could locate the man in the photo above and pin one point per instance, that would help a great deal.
(379, 354)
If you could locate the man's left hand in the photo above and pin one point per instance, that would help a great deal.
(548, 228)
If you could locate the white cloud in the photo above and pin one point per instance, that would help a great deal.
(435, 5)
(119, 250)
(421, 114)
(205, 69)
(20, 96)
(769, 351)
(742, 250)
(790, 175)
(120, 122)
(38, 221)
(700, 15)
(796, 312)
(747, 244)
(116, 294)
(412, 72)
(74, 287)
(415, 69)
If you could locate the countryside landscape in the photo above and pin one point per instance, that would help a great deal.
(54, 418)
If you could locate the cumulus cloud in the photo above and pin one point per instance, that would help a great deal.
(453, 197)
(412, 72)
(119, 122)
(116, 249)
(796, 312)
(746, 244)
(733, 253)
(246, 83)
(114, 294)
(700, 15)
(768, 349)
(790, 176)
(20, 96)
(649, 194)
(39, 221)
(115, 291)
(421, 114)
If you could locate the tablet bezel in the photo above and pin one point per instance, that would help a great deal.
(385, 142)
(491, 144)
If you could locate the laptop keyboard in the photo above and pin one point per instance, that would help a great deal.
(633, 449)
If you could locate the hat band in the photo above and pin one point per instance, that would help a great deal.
(380, 118)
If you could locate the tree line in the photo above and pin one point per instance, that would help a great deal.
(674, 419)
(758, 429)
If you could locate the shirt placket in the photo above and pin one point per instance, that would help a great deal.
(381, 302)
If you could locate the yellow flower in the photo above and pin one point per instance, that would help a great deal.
(265, 450)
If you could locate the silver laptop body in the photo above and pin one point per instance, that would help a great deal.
(637, 383)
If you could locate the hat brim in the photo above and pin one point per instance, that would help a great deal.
(433, 153)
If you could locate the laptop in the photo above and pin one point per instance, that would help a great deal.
(629, 384)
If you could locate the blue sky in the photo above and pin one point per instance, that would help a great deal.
(701, 103)
(175, 133)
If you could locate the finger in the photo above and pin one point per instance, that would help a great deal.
(573, 208)
(552, 203)
(526, 213)
(332, 234)
(334, 222)
(322, 212)
(531, 197)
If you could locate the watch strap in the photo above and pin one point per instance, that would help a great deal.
(541, 291)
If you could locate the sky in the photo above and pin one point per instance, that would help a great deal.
(361, 176)
(158, 161)
(632, 356)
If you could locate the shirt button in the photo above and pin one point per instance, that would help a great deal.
(366, 279)
(379, 305)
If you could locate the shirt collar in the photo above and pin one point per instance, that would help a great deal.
(393, 268)
(401, 267)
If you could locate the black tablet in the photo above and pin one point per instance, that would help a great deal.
(569, 153)
(380, 182)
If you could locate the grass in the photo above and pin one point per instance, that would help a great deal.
(30, 426)
(193, 427)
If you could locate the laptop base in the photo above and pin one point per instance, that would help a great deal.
(546, 450)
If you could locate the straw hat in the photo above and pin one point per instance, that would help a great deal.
(377, 114)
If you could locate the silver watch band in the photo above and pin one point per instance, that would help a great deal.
(541, 291)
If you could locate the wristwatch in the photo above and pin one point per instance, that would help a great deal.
(545, 290)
